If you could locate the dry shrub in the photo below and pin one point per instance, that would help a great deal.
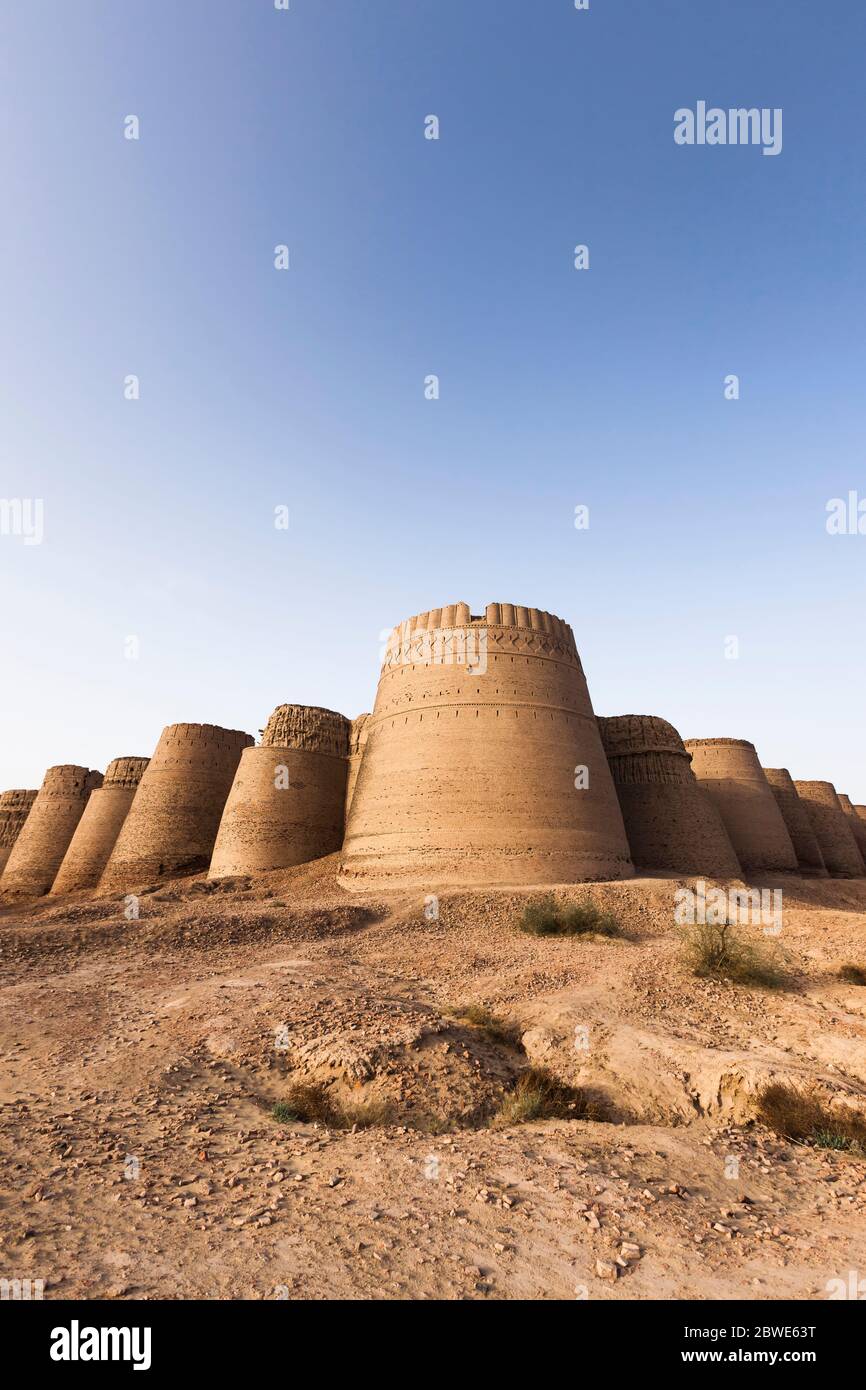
(725, 952)
(852, 974)
(547, 917)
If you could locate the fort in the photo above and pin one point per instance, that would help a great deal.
(172, 823)
(481, 763)
(45, 835)
(810, 860)
(469, 777)
(857, 826)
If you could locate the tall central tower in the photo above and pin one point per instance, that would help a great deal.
(483, 760)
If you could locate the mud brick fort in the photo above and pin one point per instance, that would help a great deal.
(481, 762)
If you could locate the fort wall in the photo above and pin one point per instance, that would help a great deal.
(803, 838)
(830, 824)
(96, 832)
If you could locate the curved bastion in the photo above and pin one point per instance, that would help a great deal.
(483, 760)
(287, 802)
(830, 824)
(730, 771)
(803, 838)
(671, 822)
(44, 838)
(172, 823)
(99, 827)
(858, 827)
(357, 745)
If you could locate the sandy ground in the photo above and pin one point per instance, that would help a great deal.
(141, 1060)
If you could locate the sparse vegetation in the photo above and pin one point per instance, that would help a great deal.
(852, 974)
(313, 1104)
(724, 952)
(806, 1118)
(547, 917)
(538, 1095)
(497, 1029)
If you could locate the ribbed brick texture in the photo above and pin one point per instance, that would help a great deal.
(14, 810)
(670, 820)
(858, 828)
(357, 744)
(479, 728)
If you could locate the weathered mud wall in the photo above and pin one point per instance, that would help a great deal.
(803, 838)
(357, 744)
(14, 810)
(858, 827)
(831, 827)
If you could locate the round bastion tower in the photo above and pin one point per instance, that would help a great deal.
(670, 820)
(44, 839)
(731, 773)
(858, 829)
(99, 827)
(172, 824)
(288, 796)
(803, 838)
(830, 824)
(483, 761)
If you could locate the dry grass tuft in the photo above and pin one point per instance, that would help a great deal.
(852, 974)
(806, 1118)
(538, 1095)
(312, 1103)
(497, 1029)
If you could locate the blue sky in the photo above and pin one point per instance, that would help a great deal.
(305, 388)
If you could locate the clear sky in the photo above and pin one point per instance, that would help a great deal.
(304, 388)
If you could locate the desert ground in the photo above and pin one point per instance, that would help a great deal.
(143, 1058)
